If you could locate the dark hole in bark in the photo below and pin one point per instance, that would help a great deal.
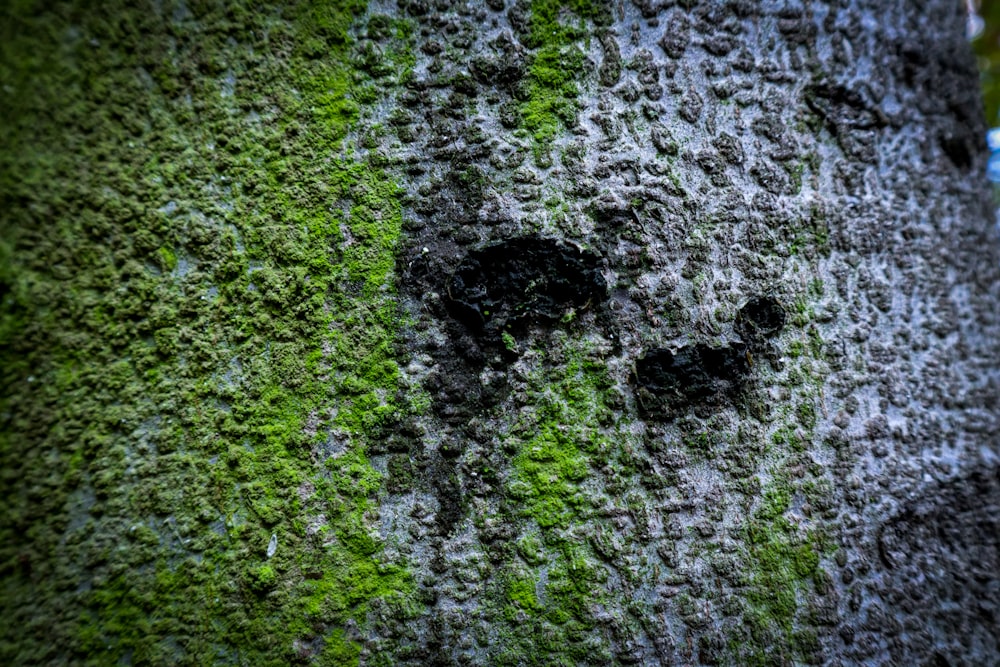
(761, 316)
(526, 279)
(699, 373)
(957, 149)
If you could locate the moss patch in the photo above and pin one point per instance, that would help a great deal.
(549, 594)
(557, 30)
(198, 324)
(784, 560)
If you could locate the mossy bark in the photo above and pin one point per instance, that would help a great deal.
(248, 416)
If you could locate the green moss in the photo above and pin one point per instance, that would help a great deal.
(816, 344)
(787, 438)
(795, 171)
(552, 618)
(521, 592)
(508, 341)
(262, 578)
(700, 444)
(784, 559)
(185, 416)
(552, 462)
(169, 258)
(783, 551)
(531, 549)
(556, 30)
(549, 470)
(812, 235)
(806, 413)
(555, 627)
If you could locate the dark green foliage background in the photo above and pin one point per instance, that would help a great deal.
(987, 49)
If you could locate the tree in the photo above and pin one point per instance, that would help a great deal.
(524, 333)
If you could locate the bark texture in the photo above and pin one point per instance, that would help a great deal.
(503, 333)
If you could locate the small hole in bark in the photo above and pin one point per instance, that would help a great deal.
(699, 373)
(526, 279)
(957, 149)
(762, 316)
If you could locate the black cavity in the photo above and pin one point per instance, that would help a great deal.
(761, 317)
(526, 279)
(696, 374)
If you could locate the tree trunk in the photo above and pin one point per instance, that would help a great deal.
(516, 333)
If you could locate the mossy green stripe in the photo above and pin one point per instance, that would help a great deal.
(198, 317)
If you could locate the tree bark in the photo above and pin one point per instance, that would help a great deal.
(504, 333)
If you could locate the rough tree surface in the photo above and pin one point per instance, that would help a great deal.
(516, 332)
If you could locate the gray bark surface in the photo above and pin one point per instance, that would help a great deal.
(828, 155)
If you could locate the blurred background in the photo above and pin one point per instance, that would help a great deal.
(983, 29)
